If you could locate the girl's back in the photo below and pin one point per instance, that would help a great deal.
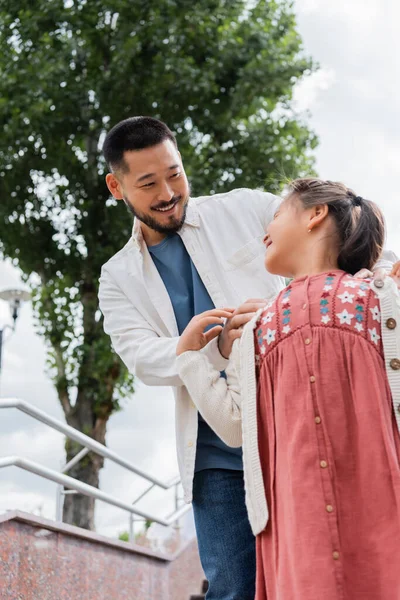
(330, 451)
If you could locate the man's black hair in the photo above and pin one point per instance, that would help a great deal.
(135, 133)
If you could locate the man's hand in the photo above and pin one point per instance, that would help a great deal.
(194, 337)
(379, 275)
(234, 326)
(395, 273)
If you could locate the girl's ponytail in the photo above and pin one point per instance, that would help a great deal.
(359, 223)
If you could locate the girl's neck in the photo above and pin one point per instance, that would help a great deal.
(313, 264)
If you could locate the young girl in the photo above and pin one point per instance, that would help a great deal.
(317, 404)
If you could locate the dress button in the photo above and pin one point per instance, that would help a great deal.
(391, 323)
(312, 379)
(335, 555)
(304, 306)
(190, 444)
(395, 364)
(318, 420)
(379, 283)
(323, 464)
(307, 341)
(329, 508)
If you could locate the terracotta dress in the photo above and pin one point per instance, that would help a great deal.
(329, 446)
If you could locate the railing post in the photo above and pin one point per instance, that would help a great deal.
(131, 528)
(59, 503)
(176, 523)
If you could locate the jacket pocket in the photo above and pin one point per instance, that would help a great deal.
(245, 254)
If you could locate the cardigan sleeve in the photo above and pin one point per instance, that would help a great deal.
(389, 298)
(216, 398)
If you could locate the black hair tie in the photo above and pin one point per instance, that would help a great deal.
(357, 201)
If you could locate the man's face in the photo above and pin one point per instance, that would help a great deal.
(155, 189)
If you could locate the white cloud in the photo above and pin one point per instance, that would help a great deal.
(309, 91)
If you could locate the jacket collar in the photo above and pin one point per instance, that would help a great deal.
(192, 220)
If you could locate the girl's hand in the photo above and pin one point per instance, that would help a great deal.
(194, 337)
(395, 273)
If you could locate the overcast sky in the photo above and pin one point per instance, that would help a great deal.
(353, 104)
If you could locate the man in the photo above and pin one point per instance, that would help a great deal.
(187, 255)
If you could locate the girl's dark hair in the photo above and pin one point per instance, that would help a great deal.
(359, 222)
(135, 133)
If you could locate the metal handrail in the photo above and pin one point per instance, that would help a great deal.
(83, 439)
(87, 490)
(76, 486)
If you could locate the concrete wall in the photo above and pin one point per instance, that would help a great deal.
(45, 560)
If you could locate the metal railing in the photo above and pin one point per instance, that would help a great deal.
(68, 485)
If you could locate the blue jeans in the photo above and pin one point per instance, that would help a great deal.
(226, 543)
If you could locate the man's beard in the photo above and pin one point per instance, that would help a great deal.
(174, 224)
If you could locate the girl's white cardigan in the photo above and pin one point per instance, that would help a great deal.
(230, 405)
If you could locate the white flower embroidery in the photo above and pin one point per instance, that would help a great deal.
(286, 329)
(345, 317)
(359, 327)
(350, 283)
(346, 297)
(327, 288)
(270, 336)
(376, 315)
(268, 317)
(285, 300)
(374, 335)
(362, 293)
(263, 349)
(325, 319)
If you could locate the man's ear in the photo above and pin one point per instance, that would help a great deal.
(114, 186)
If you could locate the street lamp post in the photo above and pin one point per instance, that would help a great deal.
(15, 296)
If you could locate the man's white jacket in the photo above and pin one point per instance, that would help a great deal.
(223, 235)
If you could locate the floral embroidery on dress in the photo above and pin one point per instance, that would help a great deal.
(268, 317)
(376, 315)
(286, 295)
(259, 334)
(286, 313)
(346, 297)
(375, 337)
(324, 302)
(269, 337)
(345, 317)
(359, 314)
(351, 283)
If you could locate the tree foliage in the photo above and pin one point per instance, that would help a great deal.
(220, 73)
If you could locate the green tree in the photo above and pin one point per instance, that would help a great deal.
(219, 72)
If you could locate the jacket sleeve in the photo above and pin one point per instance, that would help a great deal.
(266, 204)
(386, 261)
(216, 398)
(149, 356)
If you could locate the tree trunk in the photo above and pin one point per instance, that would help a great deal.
(79, 509)
(91, 411)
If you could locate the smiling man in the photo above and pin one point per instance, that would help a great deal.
(186, 256)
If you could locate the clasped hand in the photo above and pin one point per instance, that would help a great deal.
(195, 338)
